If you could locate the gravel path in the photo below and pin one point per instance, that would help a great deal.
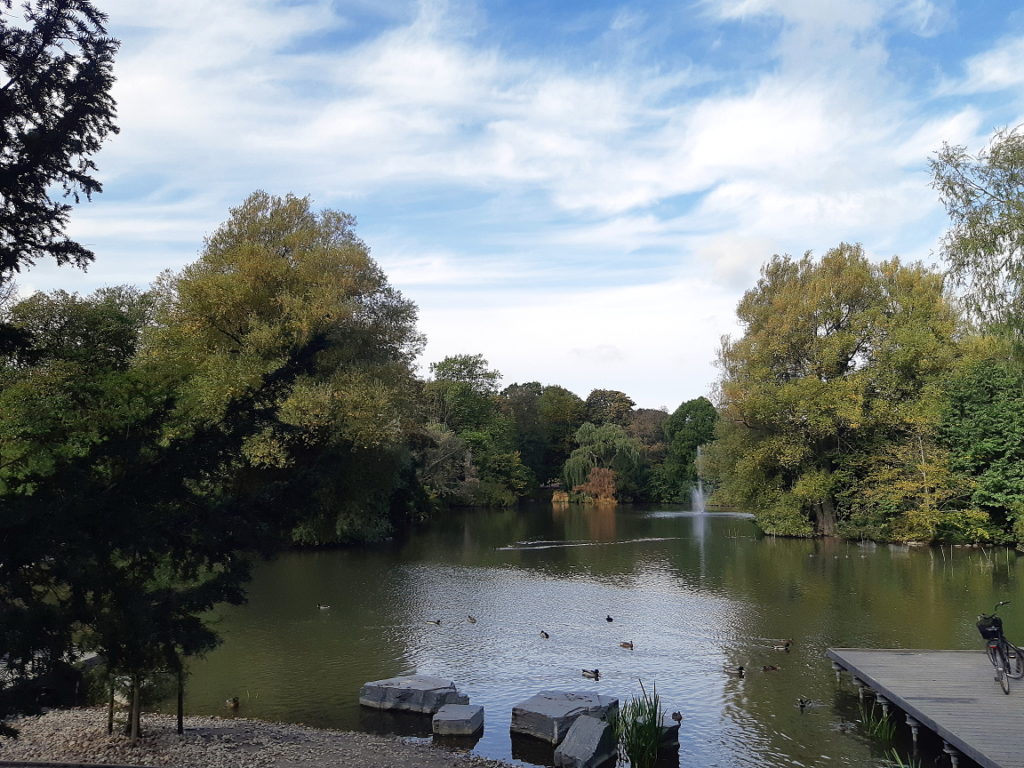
(80, 736)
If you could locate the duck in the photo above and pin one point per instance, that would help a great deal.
(471, 619)
(739, 671)
(592, 674)
(323, 606)
(803, 703)
(435, 622)
(232, 703)
(677, 716)
(609, 618)
(783, 647)
(544, 634)
(627, 644)
(769, 668)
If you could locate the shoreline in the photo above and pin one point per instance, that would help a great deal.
(80, 736)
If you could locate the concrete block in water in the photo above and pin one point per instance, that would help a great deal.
(458, 720)
(589, 743)
(549, 714)
(669, 734)
(413, 693)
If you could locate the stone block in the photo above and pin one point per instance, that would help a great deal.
(413, 693)
(669, 734)
(589, 743)
(458, 720)
(549, 714)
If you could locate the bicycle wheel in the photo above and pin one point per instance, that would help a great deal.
(1003, 680)
(1016, 667)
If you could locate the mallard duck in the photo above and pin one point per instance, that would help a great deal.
(803, 703)
(677, 716)
(739, 671)
(769, 668)
(544, 634)
(593, 674)
(323, 606)
(608, 618)
(783, 647)
(232, 703)
(471, 619)
(435, 622)
(627, 644)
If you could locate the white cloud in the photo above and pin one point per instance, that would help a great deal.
(996, 69)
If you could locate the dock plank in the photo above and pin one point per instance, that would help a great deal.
(952, 693)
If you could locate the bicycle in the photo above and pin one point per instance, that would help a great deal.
(1006, 657)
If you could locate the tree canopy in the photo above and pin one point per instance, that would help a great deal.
(55, 112)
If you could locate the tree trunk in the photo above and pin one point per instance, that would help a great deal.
(134, 713)
(181, 699)
(110, 707)
(826, 522)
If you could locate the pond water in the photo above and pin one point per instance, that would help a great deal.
(698, 595)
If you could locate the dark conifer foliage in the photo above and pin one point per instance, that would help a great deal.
(56, 72)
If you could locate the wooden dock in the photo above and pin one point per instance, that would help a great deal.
(952, 693)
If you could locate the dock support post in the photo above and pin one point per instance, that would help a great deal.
(954, 754)
(837, 669)
(860, 687)
(884, 702)
(914, 727)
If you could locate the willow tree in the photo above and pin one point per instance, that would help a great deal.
(832, 370)
(610, 452)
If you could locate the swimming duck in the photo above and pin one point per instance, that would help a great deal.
(593, 674)
(435, 622)
(323, 606)
(232, 703)
(783, 647)
(628, 644)
(544, 634)
(609, 618)
(739, 671)
(677, 716)
(803, 703)
(769, 668)
(471, 619)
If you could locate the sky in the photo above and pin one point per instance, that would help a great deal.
(579, 191)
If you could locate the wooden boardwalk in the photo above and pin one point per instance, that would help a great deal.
(952, 693)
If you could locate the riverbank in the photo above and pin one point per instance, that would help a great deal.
(80, 736)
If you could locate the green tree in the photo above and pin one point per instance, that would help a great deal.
(561, 413)
(608, 406)
(836, 362)
(984, 248)
(272, 278)
(56, 67)
(690, 426)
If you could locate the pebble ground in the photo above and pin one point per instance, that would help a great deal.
(80, 736)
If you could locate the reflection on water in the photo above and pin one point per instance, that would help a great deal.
(697, 595)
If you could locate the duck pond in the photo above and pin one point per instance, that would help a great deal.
(698, 595)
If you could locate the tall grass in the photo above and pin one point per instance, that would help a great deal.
(638, 728)
(897, 761)
(877, 724)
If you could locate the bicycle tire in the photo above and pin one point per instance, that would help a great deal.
(1015, 669)
(1003, 679)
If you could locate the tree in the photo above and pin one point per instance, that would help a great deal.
(608, 406)
(462, 397)
(835, 363)
(690, 426)
(605, 447)
(55, 112)
(274, 276)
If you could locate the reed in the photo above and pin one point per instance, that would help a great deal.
(877, 724)
(897, 761)
(638, 728)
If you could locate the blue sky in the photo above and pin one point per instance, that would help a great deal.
(580, 191)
